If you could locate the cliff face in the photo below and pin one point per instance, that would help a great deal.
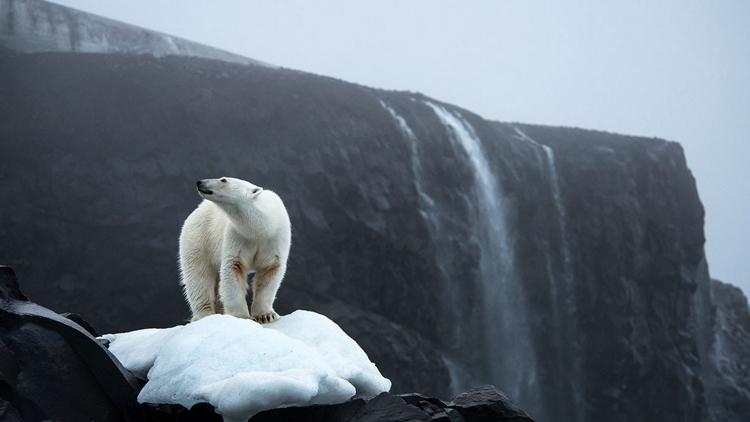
(635, 223)
(727, 378)
(565, 266)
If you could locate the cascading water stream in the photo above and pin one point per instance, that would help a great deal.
(431, 211)
(554, 179)
(425, 202)
(562, 293)
(509, 356)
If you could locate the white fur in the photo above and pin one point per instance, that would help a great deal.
(239, 228)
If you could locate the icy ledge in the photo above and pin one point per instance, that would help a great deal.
(242, 368)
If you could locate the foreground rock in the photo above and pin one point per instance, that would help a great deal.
(479, 404)
(52, 368)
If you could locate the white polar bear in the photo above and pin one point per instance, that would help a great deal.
(239, 228)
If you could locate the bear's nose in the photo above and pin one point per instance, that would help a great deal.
(199, 183)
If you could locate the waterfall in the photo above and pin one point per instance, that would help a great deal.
(433, 212)
(562, 218)
(561, 288)
(509, 357)
(425, 201)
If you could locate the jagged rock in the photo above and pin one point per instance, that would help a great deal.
(83, 323)
(335, 413)
(480, 404)
(485, 403)
(201, 412)
(9, 289)
(52, 368)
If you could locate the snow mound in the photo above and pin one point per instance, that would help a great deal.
(242, 367)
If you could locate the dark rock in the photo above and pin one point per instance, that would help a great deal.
(387, 407)
(82, 322)
(52, 369)
(9, 285)
(480, 404)
(201, 412)
(343, 412)
(8, 413)
(728, 377)
(485, 403)
(417, 399)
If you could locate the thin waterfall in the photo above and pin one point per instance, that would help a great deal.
(509, 358)
(554, 180)
(425, 201)
(562, 293)
(431, 211)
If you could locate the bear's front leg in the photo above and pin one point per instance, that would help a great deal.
(233, 287)
(265, 285)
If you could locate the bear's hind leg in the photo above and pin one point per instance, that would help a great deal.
(233, 287)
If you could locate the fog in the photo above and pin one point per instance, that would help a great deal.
(672, 69)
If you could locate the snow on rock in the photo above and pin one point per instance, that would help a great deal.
(137, 350)
(242, 367)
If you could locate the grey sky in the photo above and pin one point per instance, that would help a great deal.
(677, 69)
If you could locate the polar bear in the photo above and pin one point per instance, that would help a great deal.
(237, 229)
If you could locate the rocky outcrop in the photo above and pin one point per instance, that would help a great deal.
(564, 265)
(478, 404)
(727, 377)
(51, 368)
(483, 403)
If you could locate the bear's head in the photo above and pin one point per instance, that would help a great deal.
(228, 190)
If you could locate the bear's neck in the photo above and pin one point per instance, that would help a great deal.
(244, 219)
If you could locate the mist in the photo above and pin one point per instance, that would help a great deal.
(675, 70)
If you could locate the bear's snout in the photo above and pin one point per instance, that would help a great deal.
(201, 185)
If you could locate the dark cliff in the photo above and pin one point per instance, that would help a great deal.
(565, 266)
(728, 378)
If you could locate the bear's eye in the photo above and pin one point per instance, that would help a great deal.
(256, 190)
(223, 180)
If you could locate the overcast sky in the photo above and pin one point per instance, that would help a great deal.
(677, 69)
